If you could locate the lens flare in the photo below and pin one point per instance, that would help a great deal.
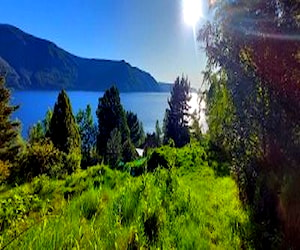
(192, 11)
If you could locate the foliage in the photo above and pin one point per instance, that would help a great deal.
(9, 130)
(42, 158)
(114, 148)
(129, 151)
(4, 171)
(137, 134)
(157, 159)
(258, 81)
(63, 130)
(182, 207)
(176, 117)
(111, 115)
(195, 128)
(64, 133)
(88, 135)
(38, 131)
(158, 134)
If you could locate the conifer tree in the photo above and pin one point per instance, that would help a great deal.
(137, 134)
(111, 115)
(63, 130)
(9, 130)
(114, 148)
(158, 134)
(88, 135)
(176, 117)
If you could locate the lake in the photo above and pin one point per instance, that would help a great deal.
(148, 106)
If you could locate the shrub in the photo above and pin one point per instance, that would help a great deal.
(157, 159)
(129, 152)
(41, 158)
(72, 161)
(4, 170)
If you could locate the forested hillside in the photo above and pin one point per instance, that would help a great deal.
(31, 63)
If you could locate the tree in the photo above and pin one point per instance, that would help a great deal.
(137, 134)
(129, 151)
(64, 133)
(111, 115)
(42, 158)
(114, 148)
(176, 117)
(88, 135)
(39, 130)
(158, 134)
(252, 42)
(9, 130)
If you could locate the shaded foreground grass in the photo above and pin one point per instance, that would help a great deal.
(182, 207)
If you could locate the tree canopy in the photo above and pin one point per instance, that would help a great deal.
(253, 66)
(63, 130)
(88, 134)
(177, 116)
(137, 134)
(9, 130)
(111, 115)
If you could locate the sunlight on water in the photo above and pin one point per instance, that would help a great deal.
(148, 106)
(200, 109)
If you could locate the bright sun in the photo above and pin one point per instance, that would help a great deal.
(192, 11)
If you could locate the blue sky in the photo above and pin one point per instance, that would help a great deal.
(149, 34)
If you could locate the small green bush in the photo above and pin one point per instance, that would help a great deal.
(41, 158)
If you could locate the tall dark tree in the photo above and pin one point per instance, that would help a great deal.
(176, 117)
(114, 148)
(158, 134)
(111, 115)
(137, 134)
(63, 130)
(9, 130)
(88, 135)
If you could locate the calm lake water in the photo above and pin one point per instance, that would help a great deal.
(148, 106)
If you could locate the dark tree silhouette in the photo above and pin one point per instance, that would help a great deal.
(111, 115)
(176, 117)
(63, 130)
(137, 134)
(9, 130)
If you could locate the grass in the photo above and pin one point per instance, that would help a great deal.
(187, 207)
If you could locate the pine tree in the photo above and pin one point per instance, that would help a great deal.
(39, 130)
(9, 130)
(88, 135)
(158, 134)
(137, 134)
(176, 117)
(114, 148)
(63, 130)
(111, 115)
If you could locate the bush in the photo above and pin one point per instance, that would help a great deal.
(41, 158)
(157, 159)
(4, 171)
(72, 161)
(129, 152)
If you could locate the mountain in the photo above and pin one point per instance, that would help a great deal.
(31, 63)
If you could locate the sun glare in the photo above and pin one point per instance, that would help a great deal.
(192, 11)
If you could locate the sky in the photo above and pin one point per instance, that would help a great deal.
(149, 34)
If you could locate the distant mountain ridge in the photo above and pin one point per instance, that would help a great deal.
(31, 63)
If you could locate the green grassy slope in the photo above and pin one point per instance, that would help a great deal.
(186, 206)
